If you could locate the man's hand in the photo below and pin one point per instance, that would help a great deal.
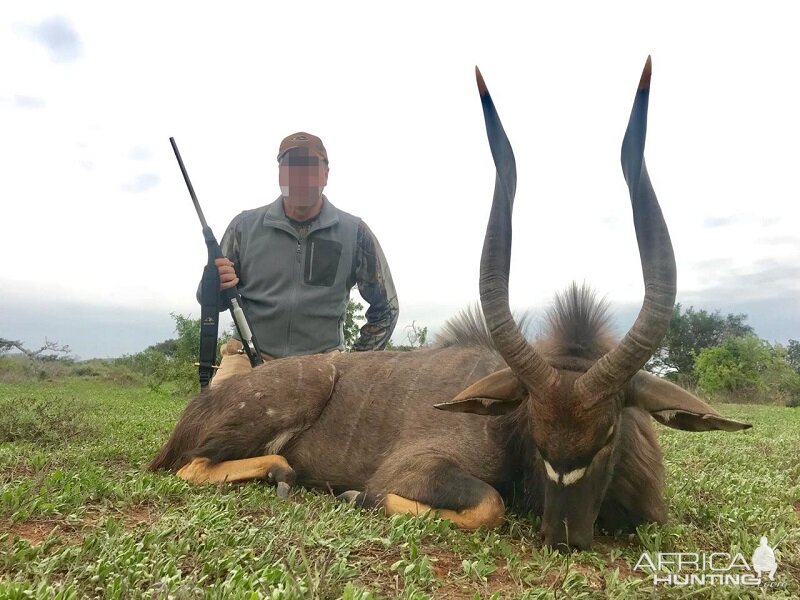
(227, 274)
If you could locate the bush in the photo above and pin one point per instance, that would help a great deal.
(85, 371)
(171, 364)
(689, 333)
(159, 369)
(45, 421)
(354, 316)
(747, 369)
(18, 368)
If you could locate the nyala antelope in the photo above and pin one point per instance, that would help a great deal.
(560, 427)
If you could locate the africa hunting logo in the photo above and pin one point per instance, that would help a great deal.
(711, 568)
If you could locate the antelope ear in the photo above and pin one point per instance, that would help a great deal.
(495, 394)
(674, 407)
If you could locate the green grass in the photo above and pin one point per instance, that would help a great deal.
(79, 517)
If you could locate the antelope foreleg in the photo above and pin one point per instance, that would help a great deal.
(488, 512)
(418, 481)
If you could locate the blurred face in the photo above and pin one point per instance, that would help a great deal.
(302, 176)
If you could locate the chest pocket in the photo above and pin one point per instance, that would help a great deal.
(322, 262)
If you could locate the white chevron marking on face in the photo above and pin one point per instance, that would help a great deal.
(551, 472)
(573, 476)
(565, 479)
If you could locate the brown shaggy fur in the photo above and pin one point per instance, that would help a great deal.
(468, 328)
(578, 324)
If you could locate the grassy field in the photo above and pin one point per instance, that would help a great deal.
(79, 517)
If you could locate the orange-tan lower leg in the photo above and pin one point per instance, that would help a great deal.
(272, 467)
(487, 513)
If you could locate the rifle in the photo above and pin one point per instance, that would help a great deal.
(211, 299)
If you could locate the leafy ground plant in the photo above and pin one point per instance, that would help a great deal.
(43, 419)
(81, 518)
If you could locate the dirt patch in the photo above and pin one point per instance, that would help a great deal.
(33, 532)
(445, 565)
(386, 582)
(501, 580)
(797, 508)
(19, 470)
(450, 581)
(137, 514)
(553, 578)
(450, 590)
(117, 463)
(594, 577)
(625, 570)
(448, 569)
(36, 531)
(375, 553)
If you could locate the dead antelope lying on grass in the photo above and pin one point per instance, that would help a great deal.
(561, 428)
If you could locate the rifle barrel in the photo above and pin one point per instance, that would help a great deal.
(188, 184)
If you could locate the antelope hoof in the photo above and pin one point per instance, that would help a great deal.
(284, 477)
(348, 496)
(283, 490)
(360, 499)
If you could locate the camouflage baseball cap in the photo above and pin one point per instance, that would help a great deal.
(302, 139)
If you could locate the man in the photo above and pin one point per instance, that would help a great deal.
(295, 262)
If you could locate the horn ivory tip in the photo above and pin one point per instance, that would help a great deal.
(644, 82)
(482, 89)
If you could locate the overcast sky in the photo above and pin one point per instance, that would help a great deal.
(102, 243)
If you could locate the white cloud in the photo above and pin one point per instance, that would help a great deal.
(59, 37)
(141, 183)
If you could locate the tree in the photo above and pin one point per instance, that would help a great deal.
(173, 361)
(55, 350)
(689, 333)
(167, 347)
(793, 355)
(352, 323)
(417, 338)
(738, 365)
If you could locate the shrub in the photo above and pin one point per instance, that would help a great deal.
(354, 316)
(747, 369)
(158, 369)
(47, 421)
(18, 368)
(171, 364)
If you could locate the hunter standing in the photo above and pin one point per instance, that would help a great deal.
(295, 262)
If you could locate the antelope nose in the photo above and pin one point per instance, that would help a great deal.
(576, 540)
(572, 546)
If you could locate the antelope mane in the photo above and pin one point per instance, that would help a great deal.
(578, 323)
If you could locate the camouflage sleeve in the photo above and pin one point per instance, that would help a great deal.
(230, 248)
(376, 287)
(231, 241)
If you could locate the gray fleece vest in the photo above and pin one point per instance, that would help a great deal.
(295, 291)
